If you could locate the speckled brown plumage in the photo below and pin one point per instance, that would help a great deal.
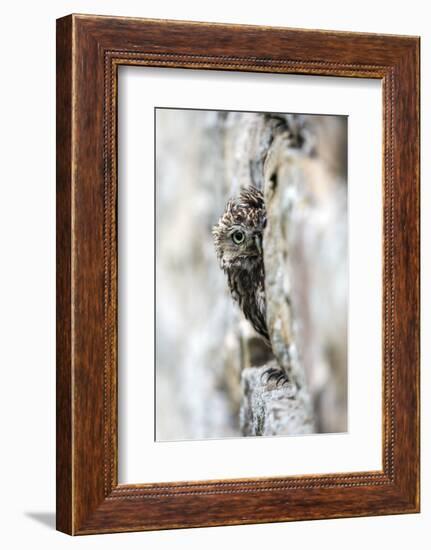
(238, 241)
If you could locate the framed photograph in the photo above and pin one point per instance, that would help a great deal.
(237, 274)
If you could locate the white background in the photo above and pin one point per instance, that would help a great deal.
(141, 458)
(27, 122)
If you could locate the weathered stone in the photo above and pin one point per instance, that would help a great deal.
(268, 409)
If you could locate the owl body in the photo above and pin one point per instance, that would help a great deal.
(238, 240)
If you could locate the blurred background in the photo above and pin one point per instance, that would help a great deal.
(202, 341)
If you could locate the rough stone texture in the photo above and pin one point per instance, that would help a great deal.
(210, 362)
(284, 409)
(305, 253)
(268, 409)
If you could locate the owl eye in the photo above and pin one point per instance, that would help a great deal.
(238, 237)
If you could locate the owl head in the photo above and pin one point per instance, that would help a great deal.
(239, 232)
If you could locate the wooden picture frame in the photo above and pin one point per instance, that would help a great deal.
(89, 51)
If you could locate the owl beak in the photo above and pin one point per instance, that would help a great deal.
(258, 242)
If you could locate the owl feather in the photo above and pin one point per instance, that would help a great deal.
(238, 238)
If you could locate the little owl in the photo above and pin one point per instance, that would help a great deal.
(238, 242)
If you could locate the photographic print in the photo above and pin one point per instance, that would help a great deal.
(251, 274)
(213, 246)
